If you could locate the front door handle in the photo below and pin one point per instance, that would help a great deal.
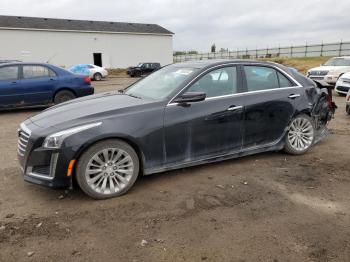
(293, 96)
(233, 108)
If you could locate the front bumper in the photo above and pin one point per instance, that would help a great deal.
(40, 165)
(343, 86)
(327, 79)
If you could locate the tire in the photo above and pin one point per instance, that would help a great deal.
(300, 135)
(138, 74)
(347, 108)
(340, 94)
(97, 77)
(63, 96)
(108, 182)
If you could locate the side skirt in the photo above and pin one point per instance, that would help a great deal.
(245, 152)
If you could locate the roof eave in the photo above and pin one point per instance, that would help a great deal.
(85, 31)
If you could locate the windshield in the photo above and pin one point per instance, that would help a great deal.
(161, 83)
(338, 62)
(139, 65)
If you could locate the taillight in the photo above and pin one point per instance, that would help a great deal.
(87, 80)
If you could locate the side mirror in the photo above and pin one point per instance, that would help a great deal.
(190, 97)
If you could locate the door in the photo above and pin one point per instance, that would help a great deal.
(37, 84)
(208, 128)
(9, 82)
(97, 59)
(269, 105)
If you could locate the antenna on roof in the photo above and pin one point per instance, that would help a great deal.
(48, 61)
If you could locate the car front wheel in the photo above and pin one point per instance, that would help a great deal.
(107, 169)
(300, 135)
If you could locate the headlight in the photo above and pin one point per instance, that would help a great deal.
(55, 140)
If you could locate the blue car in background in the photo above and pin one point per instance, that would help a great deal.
(96, 73)
(36, 84)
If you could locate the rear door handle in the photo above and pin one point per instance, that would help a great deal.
(293, 96)
(233, 108)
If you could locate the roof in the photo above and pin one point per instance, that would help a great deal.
(212, 62)
(37, 23)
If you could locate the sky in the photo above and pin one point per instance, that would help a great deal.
(198, 24)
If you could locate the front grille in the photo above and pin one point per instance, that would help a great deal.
(318, 73)
(317, 77)
(23, 138)
(343, 88)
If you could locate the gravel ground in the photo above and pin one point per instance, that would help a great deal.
(266, 207)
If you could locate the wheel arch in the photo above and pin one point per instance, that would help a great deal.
(63, 89)
(125, 139)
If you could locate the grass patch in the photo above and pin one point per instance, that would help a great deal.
(117, 72)
(301, 63)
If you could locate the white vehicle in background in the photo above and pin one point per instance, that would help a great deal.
(348, 103)
(342, 86)
(95, 72)
(329, 72)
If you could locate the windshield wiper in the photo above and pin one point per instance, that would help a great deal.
(132, 95)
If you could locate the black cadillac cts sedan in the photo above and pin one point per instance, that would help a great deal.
(182, 115)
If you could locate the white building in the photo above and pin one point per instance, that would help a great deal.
(67, 42)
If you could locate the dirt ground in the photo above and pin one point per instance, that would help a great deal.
(267, 207)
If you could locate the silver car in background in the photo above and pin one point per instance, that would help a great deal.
(348, 103)
(342, 86)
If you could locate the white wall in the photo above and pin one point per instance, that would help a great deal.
(69, 48)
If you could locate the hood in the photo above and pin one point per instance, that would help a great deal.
(330, 68)
(346, 75)
(89, 108)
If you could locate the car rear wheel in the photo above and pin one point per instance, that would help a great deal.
(300, 135)
(347, 109)
(107, 169)
(63, 96)
(97, 77)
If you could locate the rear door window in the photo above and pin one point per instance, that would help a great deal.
(32, 72)
(260, 78)
(265, 78)
(284, 81)
(8, 73)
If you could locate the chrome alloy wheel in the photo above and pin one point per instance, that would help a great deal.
(301, 134)
(109, 171)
